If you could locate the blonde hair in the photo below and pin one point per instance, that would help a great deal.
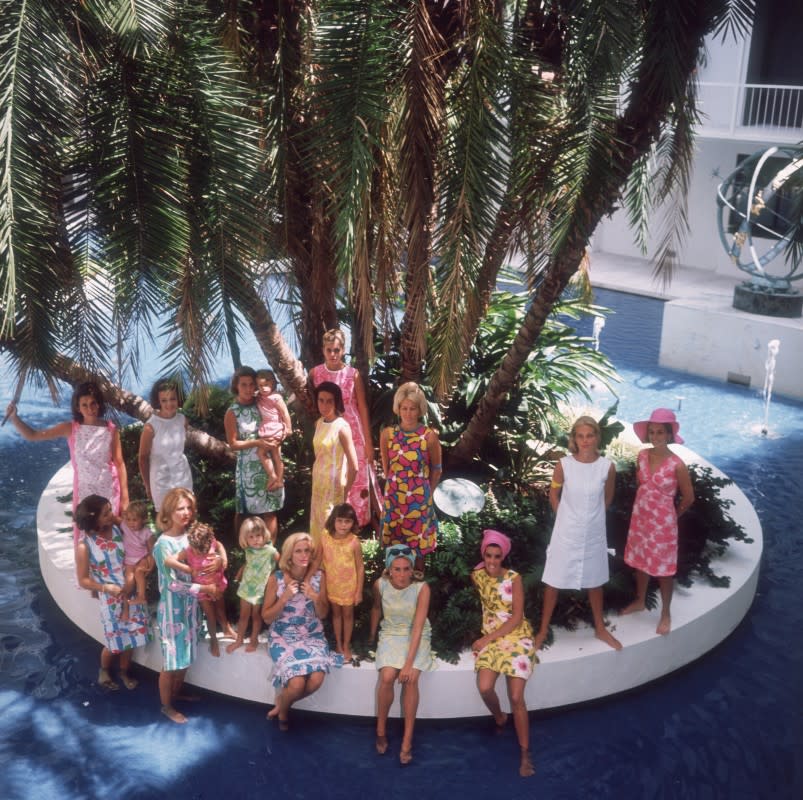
(139, 508)
(287, 548)
(410, 391)
(164, 520)
(580, 422)
(335, 335)
(252, 525)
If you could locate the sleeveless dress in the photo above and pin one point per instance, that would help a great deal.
(338, 564)
(93, 469)
(652, 541)
(106, 566)
(577, 556)
(259, 564)
(199, 561)
(328, 474)
(251, 482)
(514, 653)
(178, 613)
(409, 514)
(169, 468)
(345, 378)
(398, 612)
(296, 639)
(272, 425)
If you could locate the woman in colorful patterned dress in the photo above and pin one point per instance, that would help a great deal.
(178, 614)
(99, 566)
(295, 606)
(411, 461)
(355, 412)
(506, 646)
(403, 650)
(652, 542)
(335, 458)
(95, 450)
(241, 422)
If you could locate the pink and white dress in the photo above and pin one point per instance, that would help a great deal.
(652, 541)
(94, 470)
(345, 378)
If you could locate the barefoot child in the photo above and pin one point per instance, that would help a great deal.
(138, 541)
(276, 424)
(652, 542)
(506, 646)
(341, 557)
(577, 558)
(261, 558)
(203, 549)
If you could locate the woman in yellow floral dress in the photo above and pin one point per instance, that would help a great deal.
(506, 646)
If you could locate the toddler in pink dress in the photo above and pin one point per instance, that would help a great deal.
(138, 541)
(276, 424)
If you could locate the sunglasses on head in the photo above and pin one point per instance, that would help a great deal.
(400, 550)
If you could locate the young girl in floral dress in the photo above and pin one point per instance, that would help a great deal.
(506, 646)
(652, 542)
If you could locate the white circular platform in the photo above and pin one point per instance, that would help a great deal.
(576, 668)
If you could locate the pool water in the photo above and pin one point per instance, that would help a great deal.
(728, 726)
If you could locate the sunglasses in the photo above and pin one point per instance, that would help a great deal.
(400, 550)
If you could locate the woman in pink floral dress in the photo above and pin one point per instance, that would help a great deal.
(652, 542)
(335, 370)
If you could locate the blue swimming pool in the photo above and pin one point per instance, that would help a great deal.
(728, 726)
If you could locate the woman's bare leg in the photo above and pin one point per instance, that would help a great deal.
(666, 585)
(486, 685)
(600, 631)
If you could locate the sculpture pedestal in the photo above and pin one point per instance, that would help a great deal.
(755, 300)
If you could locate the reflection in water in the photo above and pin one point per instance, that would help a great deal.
(728, 726)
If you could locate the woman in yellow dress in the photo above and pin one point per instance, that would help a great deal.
(506, 646)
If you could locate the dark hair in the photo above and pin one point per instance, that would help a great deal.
(87, 389)
(166, 385)
(669, 432)
(267, 375)
(89, 511)
(343, 511)
(241, 372)
(334, 390)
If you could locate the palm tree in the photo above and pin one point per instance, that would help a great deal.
(161, 160)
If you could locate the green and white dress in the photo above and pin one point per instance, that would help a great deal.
(250, 478)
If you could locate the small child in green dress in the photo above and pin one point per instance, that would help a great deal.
(261, 558)
(506, 646)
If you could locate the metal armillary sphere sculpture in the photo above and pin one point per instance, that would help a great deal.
(762, 212)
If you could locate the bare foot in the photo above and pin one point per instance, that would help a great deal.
(274, 712)
(347, 655)
(106, 681)
(664, 625)
(138, 601)
(539, 640)
(405, 755)
(499, 724)
(606, 636)
(526, 768)
(635, 606)
(381, 744)
(234, 645)
(128, 681)
(214, 647)
(173, 715)
(252, 645)
(229, 632)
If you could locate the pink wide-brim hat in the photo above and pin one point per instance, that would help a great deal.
(663, 415)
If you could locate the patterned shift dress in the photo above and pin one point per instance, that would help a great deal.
(106, 566)
(652, 542)
(259, 564)
(513, 654)
(409, 514)
(340, 568)
(296, 639)
(251, 481)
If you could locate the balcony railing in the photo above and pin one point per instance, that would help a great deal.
(748, 109)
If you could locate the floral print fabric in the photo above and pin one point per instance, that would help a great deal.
(513, 654)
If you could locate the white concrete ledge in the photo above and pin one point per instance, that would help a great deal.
(575, 669)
